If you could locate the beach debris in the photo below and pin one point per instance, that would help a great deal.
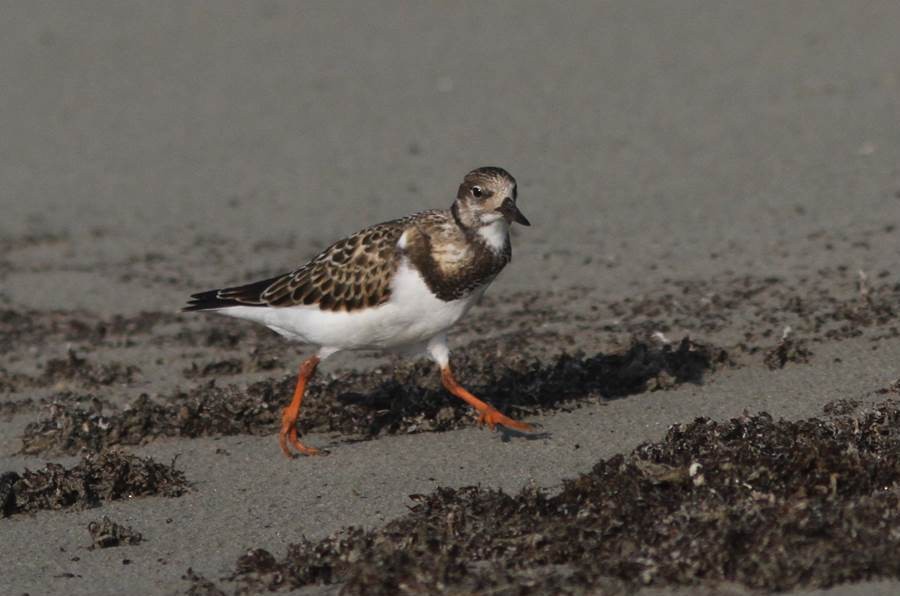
(766, 504)
(789, 349)
(7, 493)
(106, 534)
(74, 368)
(107, 476)
(374, 403)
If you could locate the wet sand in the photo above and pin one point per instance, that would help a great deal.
(718, 172)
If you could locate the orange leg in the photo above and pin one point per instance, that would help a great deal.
(487, 414)
(289, 417)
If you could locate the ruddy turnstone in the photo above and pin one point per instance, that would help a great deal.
(398, 285)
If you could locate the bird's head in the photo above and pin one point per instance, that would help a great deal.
(486, 197)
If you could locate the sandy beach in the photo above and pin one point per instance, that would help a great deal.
(715, 197)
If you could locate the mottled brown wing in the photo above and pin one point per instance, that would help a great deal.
(351, 274)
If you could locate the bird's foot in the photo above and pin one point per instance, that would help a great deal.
(492, 418)
(289, 437)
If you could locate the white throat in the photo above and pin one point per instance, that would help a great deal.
(496, 234)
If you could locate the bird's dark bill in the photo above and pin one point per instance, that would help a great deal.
(511, 212)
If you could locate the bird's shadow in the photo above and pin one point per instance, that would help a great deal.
(508, 434)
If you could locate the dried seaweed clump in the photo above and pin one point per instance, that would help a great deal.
(7, 494)
(373, 403)
(208, 410)
(8, 409)
(74, 368)
(772, 505)
(787, 350)
(108, 476)
(107, 534)
(200, 586)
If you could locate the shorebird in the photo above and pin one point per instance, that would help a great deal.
(395, 286)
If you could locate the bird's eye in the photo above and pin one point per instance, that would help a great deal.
(476, 192)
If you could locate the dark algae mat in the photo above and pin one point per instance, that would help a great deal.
(769, 504)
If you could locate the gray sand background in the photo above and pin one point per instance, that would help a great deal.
(148, 150)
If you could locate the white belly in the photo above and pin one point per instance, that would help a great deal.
(412, 315)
